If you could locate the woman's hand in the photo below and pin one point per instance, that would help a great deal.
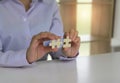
(75, 43)
(36, 49)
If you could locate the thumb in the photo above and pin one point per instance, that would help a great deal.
(49, 49)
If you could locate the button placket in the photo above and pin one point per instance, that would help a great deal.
(24, 19)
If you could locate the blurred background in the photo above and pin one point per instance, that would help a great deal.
(97, 22)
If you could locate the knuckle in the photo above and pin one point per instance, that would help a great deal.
(77, 32)
(78, 38)
(34, 37)
(41, 33)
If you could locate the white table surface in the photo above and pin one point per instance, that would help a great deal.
(86, 69)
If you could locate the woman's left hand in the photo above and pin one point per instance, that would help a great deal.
(75, 43)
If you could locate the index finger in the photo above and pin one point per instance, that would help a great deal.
(47, 35)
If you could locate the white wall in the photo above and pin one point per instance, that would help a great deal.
(117, 20)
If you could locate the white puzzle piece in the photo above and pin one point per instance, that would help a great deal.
(55, 43)
(67, 43)
(58, 43)
(52, 44)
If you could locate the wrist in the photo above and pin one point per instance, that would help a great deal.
(70, 55)
(29, 57)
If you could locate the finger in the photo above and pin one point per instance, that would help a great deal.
(72, 33)
(55, 50)
(75, 35)
(48, 35)
(77, 40)
(66, 49)
(66, 34)
(49, 49)
(45, 35)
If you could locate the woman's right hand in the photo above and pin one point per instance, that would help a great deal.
(36, 49)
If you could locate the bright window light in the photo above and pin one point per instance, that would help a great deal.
(84, 1)
(84, 12)
(58, 0)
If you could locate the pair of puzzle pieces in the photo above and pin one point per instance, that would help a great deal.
(58, 43)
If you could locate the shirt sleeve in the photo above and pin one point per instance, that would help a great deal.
(13, 58)
(57, 28)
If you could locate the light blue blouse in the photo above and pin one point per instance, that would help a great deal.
(17, 27)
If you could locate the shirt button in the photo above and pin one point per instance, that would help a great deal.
(25, 19)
